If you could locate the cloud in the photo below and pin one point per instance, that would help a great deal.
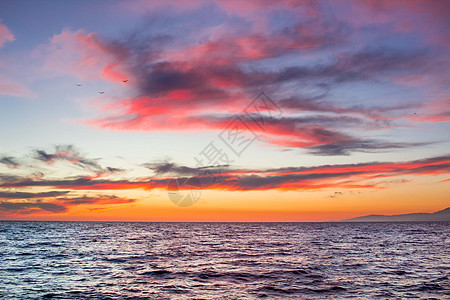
(79, 54)
(292, 178)
(201, 82)
(27, 195)
(101, 199)
(64, 192)
(366, 64)
(55, 201)
(68, 153)
(31, 207)
(234, 7)
(345, 147)
(9, 161)
(165, 168)
(200, 92)
(13, 88)
(9, 178)
(5, 35)
(9, 86)
(335, 195)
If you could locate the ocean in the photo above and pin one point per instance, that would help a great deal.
(114, 260)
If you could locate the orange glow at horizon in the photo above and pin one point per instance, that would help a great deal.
(263, 206)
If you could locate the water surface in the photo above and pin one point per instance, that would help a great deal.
(102, 260)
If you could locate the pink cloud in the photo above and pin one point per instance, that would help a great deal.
(5, 35)
(197, 86)
(82, 55)
(427, 18)
(13, 88)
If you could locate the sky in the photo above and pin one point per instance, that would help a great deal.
(294, 110)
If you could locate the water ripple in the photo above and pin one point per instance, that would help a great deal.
(102, 260)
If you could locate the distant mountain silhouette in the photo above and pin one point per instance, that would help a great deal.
(442, 215)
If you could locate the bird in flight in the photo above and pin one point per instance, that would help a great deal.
(79, 84)
(101, 93)
(415, 113)
(126, 80)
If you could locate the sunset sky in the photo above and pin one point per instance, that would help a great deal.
(223, 110)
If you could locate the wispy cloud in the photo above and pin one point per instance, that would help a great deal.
(68, 153)
(11, 87)
(43, 192)
(54, 201)
(31, 207)
(9, 161)
(5, 35)
(25, 195)
(293, 178)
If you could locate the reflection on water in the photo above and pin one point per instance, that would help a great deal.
(100, 260)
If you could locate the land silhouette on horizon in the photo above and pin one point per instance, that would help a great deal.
(442, 215)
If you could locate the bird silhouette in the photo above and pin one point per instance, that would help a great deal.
(101, 93)
(415, 113)
(126, 80)
(79, 84)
